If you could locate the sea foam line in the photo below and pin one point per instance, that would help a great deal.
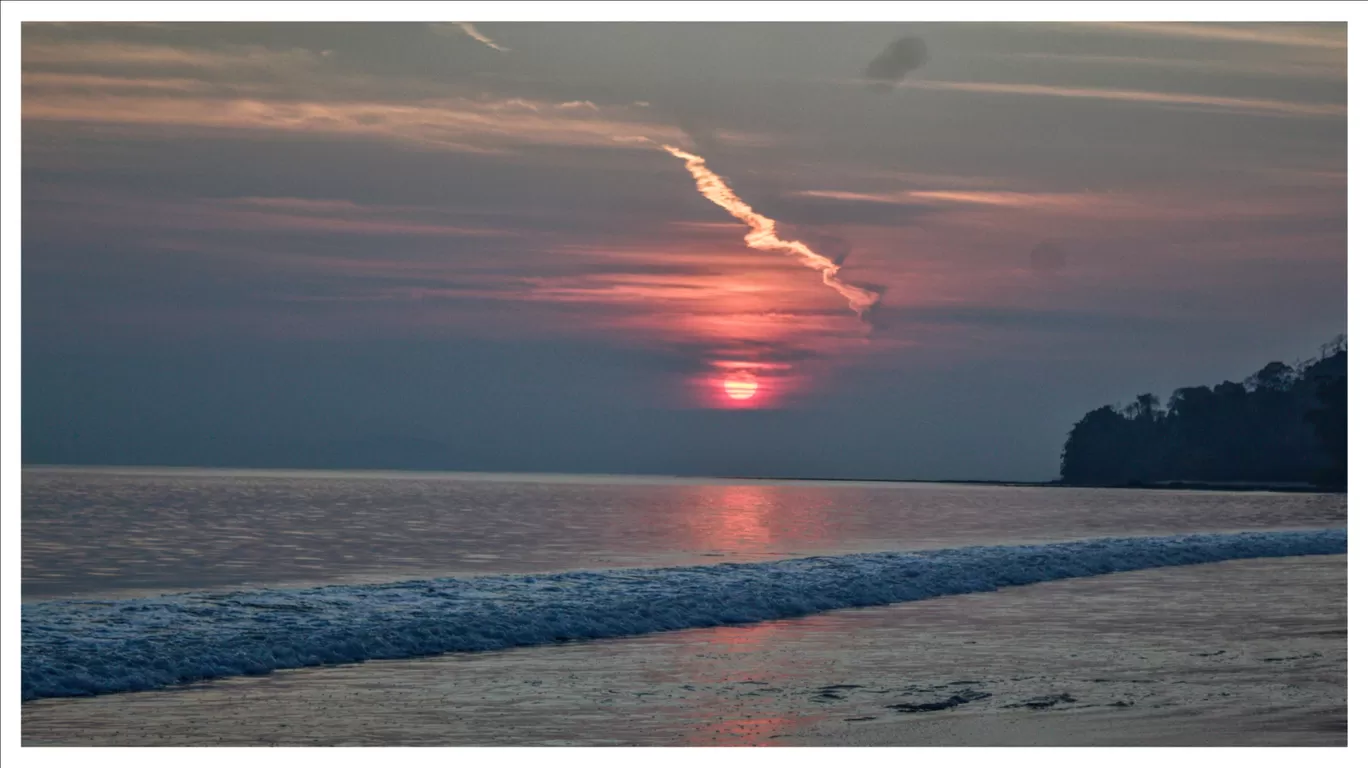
(73, 648)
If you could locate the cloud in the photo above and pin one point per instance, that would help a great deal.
(147, 87)
(853, 209)
(459, 124)
(993, 198)
(239, 215)
(1273, 67)
(312, 205)
(110, 54)
(1157, 205)
(457, 28)
(470, 29)
(60, 81)
(1292, 35)
(1025, 318)
(762, 235)
(1268, 107)
(834, 246)
(895, 62)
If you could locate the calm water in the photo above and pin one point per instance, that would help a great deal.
(109, 532)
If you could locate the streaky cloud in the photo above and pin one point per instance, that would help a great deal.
(470, 31)
(1253, 106)
(1270, 34)
(763, 236)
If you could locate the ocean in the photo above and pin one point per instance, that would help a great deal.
(167, 606)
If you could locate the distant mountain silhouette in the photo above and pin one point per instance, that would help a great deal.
(1283, 424)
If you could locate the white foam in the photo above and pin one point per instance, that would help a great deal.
(82, 648)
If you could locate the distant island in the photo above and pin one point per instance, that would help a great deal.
(1284, 425)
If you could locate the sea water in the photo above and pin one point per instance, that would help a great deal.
(98, 533)
(294, 569)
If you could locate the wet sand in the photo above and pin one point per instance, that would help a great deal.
(1238, 653)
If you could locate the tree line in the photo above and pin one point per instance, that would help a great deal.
(1283, 424)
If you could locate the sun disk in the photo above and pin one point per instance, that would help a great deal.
(740, 386)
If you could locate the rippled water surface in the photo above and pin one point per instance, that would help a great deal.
(108, 532)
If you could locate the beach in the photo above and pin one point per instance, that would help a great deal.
(1247, 653)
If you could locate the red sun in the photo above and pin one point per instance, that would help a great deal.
(740, 386)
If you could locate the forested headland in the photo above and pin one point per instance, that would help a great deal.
(1283, 424)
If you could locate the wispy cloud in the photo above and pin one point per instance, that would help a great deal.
(312, 205)
(1275, 68)
(1135, 205)
(453, 124)
(324, 216)
(1292, 35)
(96, 208)
(62, 81)
(149, 86)
(1269, 107)
(469, 30)
(696, 290)
(115, 54)
(994, 198)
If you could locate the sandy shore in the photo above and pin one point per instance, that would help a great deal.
(1239, 653)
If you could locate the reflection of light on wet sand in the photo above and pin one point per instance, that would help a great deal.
(739, 659)
(737, 638)
(752, 731)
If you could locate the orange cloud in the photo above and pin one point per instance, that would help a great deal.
(106, 54)
(645, 290)
(55, 81)
(455, 124)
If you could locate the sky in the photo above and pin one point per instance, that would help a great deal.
(486, 246)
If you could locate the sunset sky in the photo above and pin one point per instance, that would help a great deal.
(464, 247)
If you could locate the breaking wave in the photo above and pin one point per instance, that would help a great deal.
(77, 648)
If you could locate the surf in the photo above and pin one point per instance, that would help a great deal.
(82, 648)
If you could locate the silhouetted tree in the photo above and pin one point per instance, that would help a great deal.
(1330, 421)
(1275, 376)
(1282, 424)
(1099, 448)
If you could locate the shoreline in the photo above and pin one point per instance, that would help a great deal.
(1175, 485)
